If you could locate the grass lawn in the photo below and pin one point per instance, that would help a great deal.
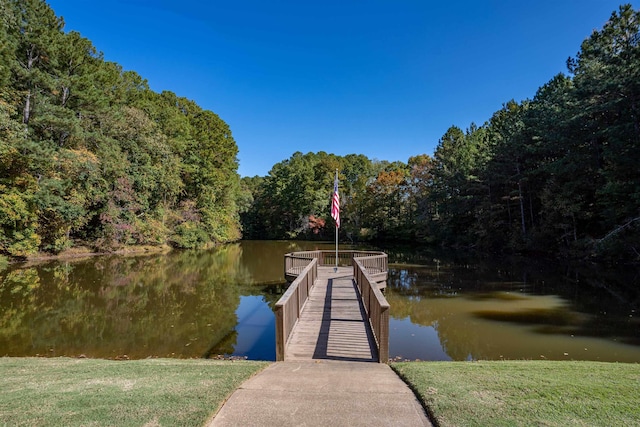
(527, 393)
(88, 392)
(171, 392)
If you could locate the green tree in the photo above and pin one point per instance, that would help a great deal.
(35, 30)
(421, 206)
(385, 204)
(456, 164)
(89, 153)
(607, 105)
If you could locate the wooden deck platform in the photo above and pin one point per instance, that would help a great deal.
(333, 324)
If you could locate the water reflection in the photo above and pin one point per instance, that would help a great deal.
(170, 306)
(256, 329)
(219, 302)
(184, 304)
(470, 312)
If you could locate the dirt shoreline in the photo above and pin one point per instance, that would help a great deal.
(82, 252)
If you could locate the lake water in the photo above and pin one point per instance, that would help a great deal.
(192, 304)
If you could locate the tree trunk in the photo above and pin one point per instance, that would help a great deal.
(524, 227)
(531, 210)
(26, 113)
(32, 58)
(520, 197)
(65, 95)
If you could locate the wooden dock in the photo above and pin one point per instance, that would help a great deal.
(342, 317)
(333, 323)
(333, 313)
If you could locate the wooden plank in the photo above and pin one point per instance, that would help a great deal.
(289, 306)
(377, 308)
(332, 324)
(280, 340)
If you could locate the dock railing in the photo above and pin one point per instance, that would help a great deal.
(369, 272)
(374, 261)
(376, 306)
(376, 265)
(290, 305)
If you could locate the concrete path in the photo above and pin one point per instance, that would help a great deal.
(323, 393)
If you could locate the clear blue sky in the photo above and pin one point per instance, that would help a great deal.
(382, 78)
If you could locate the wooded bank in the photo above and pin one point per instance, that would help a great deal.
(557, 174)
(89, 155)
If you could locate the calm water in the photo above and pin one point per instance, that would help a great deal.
(219, 302)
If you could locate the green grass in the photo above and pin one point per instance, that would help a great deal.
(526, 393)
(171, 392)
(87, 392)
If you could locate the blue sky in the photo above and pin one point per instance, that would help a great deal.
(381, 78)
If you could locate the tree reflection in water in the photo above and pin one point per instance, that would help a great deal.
(175, 305)
(475, 311)
(219, 302)
(183, 304)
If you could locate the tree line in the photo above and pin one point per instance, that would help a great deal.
(556, 174)
(89, 154)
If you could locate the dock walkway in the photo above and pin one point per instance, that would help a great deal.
(333, 324)
(327, 377)
(323, 393)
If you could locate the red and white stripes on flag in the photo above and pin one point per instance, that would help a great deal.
(335, 203)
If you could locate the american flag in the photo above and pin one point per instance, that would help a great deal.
(335, 202)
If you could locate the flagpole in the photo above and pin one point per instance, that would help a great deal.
(336, 248)
(335, 213)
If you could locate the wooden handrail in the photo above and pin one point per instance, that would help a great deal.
(376, 306)
(369, 269)
(290, 305)
(296, 262)
(373, 263)
(376, 260)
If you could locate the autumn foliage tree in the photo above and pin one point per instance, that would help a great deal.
(90, 155)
